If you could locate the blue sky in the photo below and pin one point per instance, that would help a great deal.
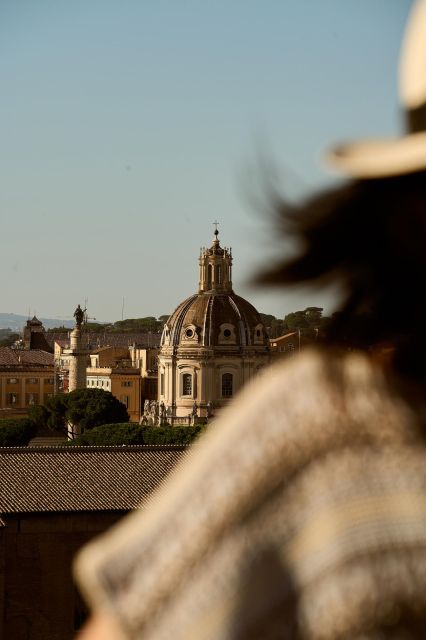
(128, 126)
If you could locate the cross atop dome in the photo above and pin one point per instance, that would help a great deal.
(216, 230)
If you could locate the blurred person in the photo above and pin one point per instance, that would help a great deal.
(302, 513)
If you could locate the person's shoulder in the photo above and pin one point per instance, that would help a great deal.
(318, 394)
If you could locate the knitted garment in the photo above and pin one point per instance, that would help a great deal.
(301, 514)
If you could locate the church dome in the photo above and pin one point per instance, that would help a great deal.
(214, 319)
(215, 316)
(212, 344)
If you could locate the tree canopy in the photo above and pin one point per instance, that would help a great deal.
(310, 321)
(8, 337)
(89, 408)
(141, 325)
(133, 434)
(84, 408)
(274, 326)
(15, 432)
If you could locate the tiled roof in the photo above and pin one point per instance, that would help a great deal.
(96, 340)
(22, 357)
(286, 336)
(38, 341)
(132, 371)
(34, 480)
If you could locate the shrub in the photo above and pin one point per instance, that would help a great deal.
(133, 434)
(16, 432)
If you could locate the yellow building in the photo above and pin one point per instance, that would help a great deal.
(26, 379)
(146, 360)
(123, 382)
(129, 373)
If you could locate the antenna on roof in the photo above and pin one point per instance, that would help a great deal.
(122, 310)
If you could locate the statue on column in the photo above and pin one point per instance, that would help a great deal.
(79, 316)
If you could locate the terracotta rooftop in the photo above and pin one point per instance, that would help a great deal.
(22, 357)
(97, 340)
(34, 480)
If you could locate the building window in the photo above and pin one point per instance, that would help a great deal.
(126, 383)
(31, 399)
(227, 385)
(125, 400)
(219, 274)
(12, 399)
(32, 381)
(12, 381)
(162, 384)
(49, 381)
(187, 384)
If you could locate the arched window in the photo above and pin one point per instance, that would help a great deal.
(218, 274)
(227, 385)
(209, 276)
(187, 384)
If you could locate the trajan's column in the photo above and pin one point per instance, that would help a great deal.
(77, 355)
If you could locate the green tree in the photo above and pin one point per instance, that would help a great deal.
(144, 325)
(133, 434)
(296, 320)
(89, 408)
(56, 407)
(50, 416)
(38, 414)
(9, 339)
(274, 326)
(313, 316)
(85, 408)
(16, 432)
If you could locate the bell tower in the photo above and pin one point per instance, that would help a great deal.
(215, 268)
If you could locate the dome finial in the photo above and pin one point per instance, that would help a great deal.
(216, 230)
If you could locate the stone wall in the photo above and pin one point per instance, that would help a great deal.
(38, 600)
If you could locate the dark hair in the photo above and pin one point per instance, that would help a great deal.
(368, 237)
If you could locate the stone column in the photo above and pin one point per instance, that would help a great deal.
(77, 366)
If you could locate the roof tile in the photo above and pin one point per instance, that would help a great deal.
(82, 478)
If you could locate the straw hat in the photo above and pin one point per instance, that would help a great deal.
(379, 158)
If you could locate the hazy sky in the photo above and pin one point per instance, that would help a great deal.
(128, 127)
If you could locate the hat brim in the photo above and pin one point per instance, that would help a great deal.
(380, 158)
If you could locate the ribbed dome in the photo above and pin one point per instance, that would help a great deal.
(214, 319)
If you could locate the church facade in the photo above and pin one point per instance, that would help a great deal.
(212, 344)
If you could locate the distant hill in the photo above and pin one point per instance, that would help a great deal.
(15, 322)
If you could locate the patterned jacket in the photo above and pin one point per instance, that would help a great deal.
(301, 514)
